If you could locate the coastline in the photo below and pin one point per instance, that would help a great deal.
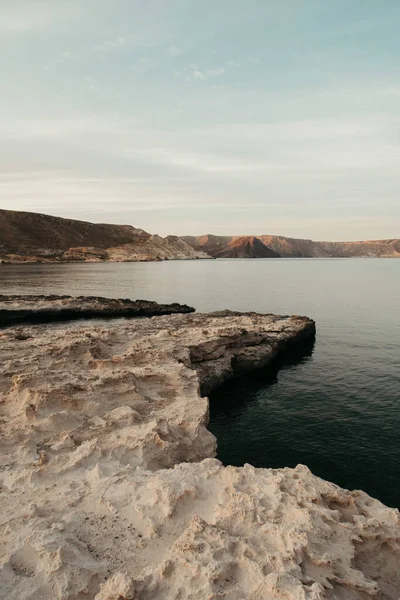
(40, 309)
(106, 455)
(5, 261)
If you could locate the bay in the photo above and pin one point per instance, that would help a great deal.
(336, 408)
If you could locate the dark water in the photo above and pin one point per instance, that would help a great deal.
(336, 409)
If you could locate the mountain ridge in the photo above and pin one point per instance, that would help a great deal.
(246, 247)
(286, 247)
(36, 237)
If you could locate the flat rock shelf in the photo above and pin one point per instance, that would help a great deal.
(48, 309)
(110, 489)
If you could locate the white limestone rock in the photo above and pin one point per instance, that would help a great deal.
(130, 503)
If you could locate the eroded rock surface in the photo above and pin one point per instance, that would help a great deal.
(109, 490)
(46, 309)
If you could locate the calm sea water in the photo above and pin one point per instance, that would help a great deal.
(336, 408)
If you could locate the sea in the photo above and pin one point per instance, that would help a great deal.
(334, 407)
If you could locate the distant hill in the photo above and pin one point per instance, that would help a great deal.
(32, 237)
(228, 247)
(245, 247)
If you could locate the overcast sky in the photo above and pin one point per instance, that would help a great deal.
(211, 116)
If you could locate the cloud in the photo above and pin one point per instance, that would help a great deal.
(165, 112)
(110, 45)
(237, 64)
(70, 194)
(194, 73)
(215, 72)
(141, 201)
(190, 159)
(314, 147)
(21, 16)
(62, 59)
(174, 51)
(143, 65)
(197, 75)
(60, 128)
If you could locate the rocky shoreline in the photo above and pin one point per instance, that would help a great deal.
(109, 489)
(37, 238)
(31, 309)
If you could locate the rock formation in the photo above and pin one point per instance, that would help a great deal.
(246, 247)
(32, 237)
(221, 246)
(108, 488)
(46, 309)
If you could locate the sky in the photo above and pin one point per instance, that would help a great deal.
(215, 116)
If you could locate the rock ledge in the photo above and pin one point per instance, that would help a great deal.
(109, 489)
(47, 309)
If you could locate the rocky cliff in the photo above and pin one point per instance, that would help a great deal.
(222, 246)
(32, 237)
(245, 247)
(109, 489)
